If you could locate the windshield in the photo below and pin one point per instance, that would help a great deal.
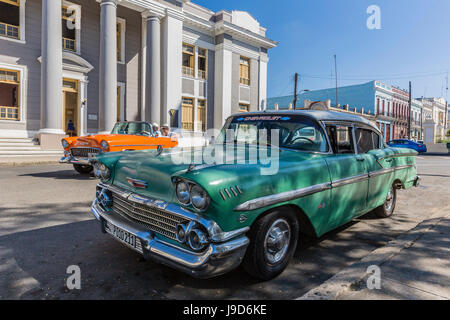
(135, 128)
(292, 132)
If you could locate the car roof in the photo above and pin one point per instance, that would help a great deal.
(318, 115)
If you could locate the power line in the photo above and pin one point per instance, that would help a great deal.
(418, 75)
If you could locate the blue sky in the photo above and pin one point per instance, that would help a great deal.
(413, 43)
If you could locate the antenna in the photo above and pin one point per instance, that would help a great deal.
(335, 69)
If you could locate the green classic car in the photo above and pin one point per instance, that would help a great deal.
(283, 173)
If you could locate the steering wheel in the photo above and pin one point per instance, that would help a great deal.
(307, 139)
(146, 133)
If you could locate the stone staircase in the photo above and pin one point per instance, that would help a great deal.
(24, 148)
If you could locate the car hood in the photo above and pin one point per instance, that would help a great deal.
(200, 165)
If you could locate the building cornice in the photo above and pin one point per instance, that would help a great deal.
(246, 35)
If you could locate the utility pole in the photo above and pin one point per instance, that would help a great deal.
(409, 114)
(335, 71)
(295, 90)
(446, 104)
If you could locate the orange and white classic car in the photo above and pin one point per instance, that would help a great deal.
(125, 136)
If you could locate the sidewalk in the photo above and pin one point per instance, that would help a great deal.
(29, 160)
(416, 265)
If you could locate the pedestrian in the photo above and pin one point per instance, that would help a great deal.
(165, 131)
(156, 131)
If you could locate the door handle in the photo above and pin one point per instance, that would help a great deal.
(389, 160)
(360, 159)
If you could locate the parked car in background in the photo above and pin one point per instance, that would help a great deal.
(206, 219)
(125, 136)
(405, 143)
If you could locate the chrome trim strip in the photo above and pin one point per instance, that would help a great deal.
(295, 194)
(407, 166)
(349, 180)
(380, 172)
(134, 145)
(281, 197)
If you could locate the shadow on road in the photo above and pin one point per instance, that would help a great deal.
(60, 174)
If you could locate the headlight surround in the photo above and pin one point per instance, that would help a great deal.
(188, 192)
(104, 145)
(199, 197)
(64, 143)
(182, 191)
(101, 171)
(197, 239)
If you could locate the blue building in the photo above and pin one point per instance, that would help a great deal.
(373, 96)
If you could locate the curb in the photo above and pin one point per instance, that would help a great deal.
(356, 273)
(25, 163)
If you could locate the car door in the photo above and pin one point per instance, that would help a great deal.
(349, 178)
(378, 165)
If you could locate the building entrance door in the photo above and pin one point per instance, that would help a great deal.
(70, 107)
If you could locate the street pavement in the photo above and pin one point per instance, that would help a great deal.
(46, 226)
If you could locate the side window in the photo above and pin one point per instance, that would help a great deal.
(376, 140)
(341, 139)
(364, 140)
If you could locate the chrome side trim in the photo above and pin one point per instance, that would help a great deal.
(295, 194)
(349, 180)
(281, 197)
(380, 172)
(135, 145)
(407, 166)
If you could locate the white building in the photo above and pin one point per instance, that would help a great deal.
(98, 61)
(433, 119)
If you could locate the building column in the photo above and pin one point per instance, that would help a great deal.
(51, 70)
(222, 83)
(107, 113)
(171, 64)
(153, 70)
(263, 60)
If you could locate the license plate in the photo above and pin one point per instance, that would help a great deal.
(124, 236)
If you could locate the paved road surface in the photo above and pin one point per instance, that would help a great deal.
(45, 226)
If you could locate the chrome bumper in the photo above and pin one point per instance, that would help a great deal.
(70, 159)
(218, 258)
(417, 181)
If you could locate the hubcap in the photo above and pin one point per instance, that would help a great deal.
(389, 200)
(277, 241)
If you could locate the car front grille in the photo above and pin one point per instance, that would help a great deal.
(83, 152)
(157, 220)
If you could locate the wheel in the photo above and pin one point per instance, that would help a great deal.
(83, 169)
(387, 208)
(273, 239)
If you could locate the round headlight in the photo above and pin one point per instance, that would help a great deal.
(197, 239)
(104, 145)
(199, 197)
(181, 233)
(64, 143)
(182, 190)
